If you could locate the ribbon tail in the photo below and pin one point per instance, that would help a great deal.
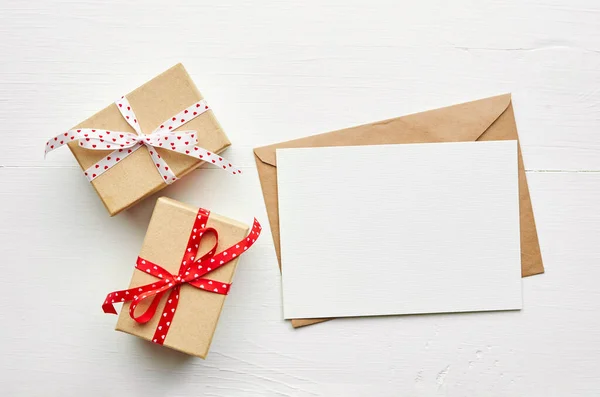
(161, 165)
(117, 297)
(167, 316)
(208, 157)
(91, 138)
(58, 141)
(108, 308)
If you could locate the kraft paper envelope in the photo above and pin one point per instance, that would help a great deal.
(489, 119)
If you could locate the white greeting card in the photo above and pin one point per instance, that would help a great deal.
(399, 229)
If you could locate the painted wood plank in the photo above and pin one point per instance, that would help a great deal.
(327, 67)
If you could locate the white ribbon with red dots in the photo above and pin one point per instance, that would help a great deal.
(125, 143)
(191, 272)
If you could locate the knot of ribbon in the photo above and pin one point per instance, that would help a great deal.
(191, 272)
(123, 144)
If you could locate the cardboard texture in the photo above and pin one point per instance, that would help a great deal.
(136, 177)
(198, 311)
(488, 119)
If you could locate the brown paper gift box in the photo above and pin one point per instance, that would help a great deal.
(136, 177)
(489, 119)
(198, 311)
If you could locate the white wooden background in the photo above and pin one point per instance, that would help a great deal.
(275, 71)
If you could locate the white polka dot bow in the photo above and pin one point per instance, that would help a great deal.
(125, 143)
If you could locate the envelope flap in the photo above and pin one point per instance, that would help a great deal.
(462, 122)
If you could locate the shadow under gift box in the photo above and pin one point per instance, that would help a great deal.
(135, 177)
(198, 311)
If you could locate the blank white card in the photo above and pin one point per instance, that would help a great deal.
(399, 229)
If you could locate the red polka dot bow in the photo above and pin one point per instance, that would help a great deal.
(191, 272)
(125, 143)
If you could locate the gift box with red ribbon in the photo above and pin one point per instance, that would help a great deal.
(181, 277)
(146, 140)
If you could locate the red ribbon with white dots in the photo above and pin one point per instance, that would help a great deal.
(191, 272)
(125, 143)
